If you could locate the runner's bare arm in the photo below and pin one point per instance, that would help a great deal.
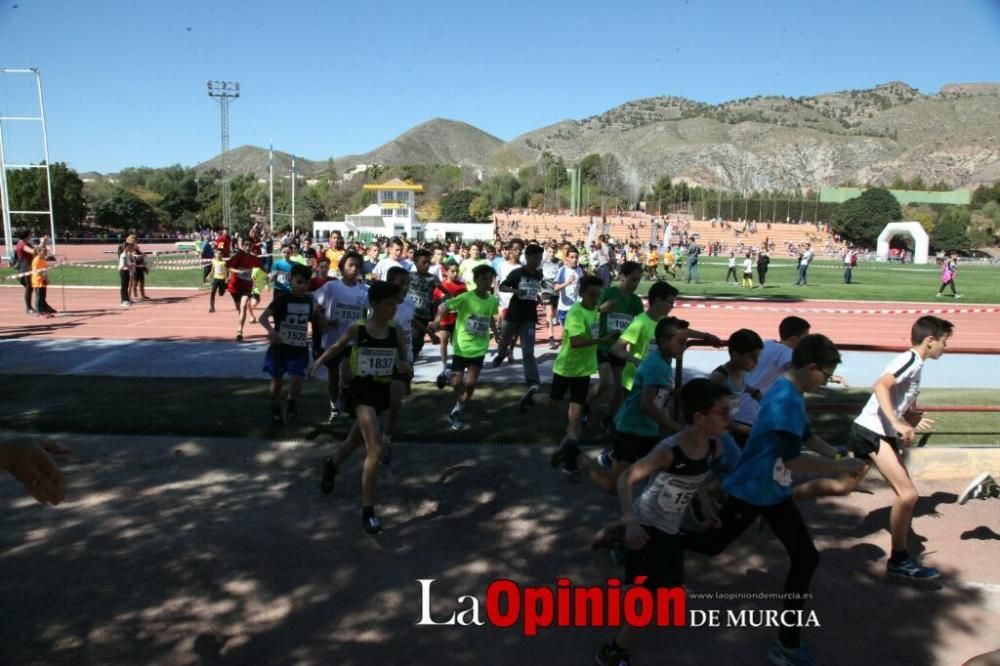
(334, 349)
(882, 393)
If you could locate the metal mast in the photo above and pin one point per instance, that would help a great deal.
(223, 91)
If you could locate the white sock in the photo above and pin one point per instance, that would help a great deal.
(458, 407)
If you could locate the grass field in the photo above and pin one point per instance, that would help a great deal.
(240, 408)
(872, 281)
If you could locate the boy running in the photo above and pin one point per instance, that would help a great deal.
(676, 470)
(550, 269)
(410, 329)
(219, 273)
(567, 283)
(745, 347)
(376, 352)
(761, 483)
(523, 287)
(887, 425)
(420, 293)
(289, 337)
(344, 302)
(450, 287)
(474, 326)
(241, 266)
(619, 307)
(576, 362)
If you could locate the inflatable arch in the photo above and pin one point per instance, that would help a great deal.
(912, 229)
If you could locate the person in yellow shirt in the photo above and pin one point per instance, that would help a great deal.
(40, 280)
(670, 262)
(652, 262)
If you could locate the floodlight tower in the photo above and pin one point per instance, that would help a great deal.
(223, 91)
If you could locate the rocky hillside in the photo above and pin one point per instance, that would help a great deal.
(865, 136)
(861, 136)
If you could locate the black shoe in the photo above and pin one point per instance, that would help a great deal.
(564, 458)
(291, 411)
(371, 525)
(609, 656)
(527, 400)
(497, 360)
(329, 476)
(442, 380)
(552, 344)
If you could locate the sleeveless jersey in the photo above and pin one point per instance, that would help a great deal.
(374, 358)
(665, 499)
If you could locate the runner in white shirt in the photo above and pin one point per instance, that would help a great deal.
(394, 252)
(344, 301)
(887, 425)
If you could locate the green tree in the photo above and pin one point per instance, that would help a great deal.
(590, 166)
(662, 194)
(861, 219)
(480, 209)
(27, 191)
(125, 211)
(951, 230)
(455, 206)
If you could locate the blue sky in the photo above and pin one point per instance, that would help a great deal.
(124, 81)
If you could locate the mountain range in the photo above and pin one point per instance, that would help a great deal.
(761, 143)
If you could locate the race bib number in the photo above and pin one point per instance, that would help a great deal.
(780, 473)
(595, 330)
(675, 495)
(347, 314)
(618, 321)
(527, 290)
(294, 329)
(477, 325)
(420, 301)
(376, 361)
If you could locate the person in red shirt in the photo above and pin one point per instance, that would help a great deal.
(240, 286)
(224, 242)
(450, 287)
(322, 274)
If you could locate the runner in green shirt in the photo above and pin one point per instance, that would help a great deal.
(634, 341)
(473, 328)
(576, 362)
(619, 306)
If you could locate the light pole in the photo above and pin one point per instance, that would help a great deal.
(223, 91)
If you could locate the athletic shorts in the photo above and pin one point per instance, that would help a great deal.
(238, 296)
(629, 448)
(278, 363)
(661, 560)
(460, 363)
(336, 359)
(864, 443)
(366, 391)
(578, 388)
(607, 357)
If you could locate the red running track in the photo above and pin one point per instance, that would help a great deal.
(177, 314)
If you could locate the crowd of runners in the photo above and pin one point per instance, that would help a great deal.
(714, 454)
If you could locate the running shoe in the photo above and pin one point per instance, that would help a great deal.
(334, 415)
(527, 399)
(800, 656)
(371, 525)
(329, 476)
(442, 380)
(604, 459)
(291, 411)
(909, 569)
(564, 459)
(958, 295)
(239, 337)
(553, 345)
(982, 487)
(609, 656)
(497, 360)
(455, 418)
(211, 310)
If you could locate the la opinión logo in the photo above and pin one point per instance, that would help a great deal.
(508, 604)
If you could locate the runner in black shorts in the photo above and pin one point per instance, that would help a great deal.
(377, 353)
